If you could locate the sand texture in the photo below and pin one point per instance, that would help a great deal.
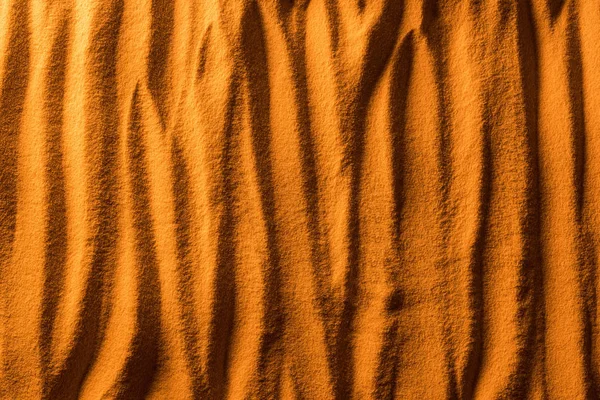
(299, 199)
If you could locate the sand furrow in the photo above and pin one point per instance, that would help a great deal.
(91, 201)
(15, 378)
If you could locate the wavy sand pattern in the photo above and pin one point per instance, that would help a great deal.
(279, 199)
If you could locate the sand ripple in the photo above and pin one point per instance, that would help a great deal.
(278, 199)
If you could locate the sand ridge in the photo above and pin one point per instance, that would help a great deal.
(311, 199)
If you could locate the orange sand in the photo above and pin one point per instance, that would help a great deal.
(279, 199)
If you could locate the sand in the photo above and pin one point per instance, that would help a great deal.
(279, 199)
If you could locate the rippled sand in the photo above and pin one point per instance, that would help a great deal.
(278, 199)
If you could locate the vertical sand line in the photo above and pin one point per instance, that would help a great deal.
(259, 146)
(454, 39)
(588, 18)
(222, 198)
(401, 67)
(183, 231)
(379, 257)
(295, 190)
(536, 386)
(161, 38)
(294, 201)
(30, 236)
(224, 290)
(138, 371)
(53, 91)
(509, 293)
(561, 158)
(90, 125)
(153, 61)
(290, 26)
(16, 379)
(586, 256)
(460, 52)
(255, 345)
(355, 77)
(207, 131)
(257, 93)
(420, 339)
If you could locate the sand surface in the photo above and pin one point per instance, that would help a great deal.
(279, 199)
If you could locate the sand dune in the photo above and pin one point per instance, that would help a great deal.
(278, 199)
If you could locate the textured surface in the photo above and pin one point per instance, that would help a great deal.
(322, 199)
